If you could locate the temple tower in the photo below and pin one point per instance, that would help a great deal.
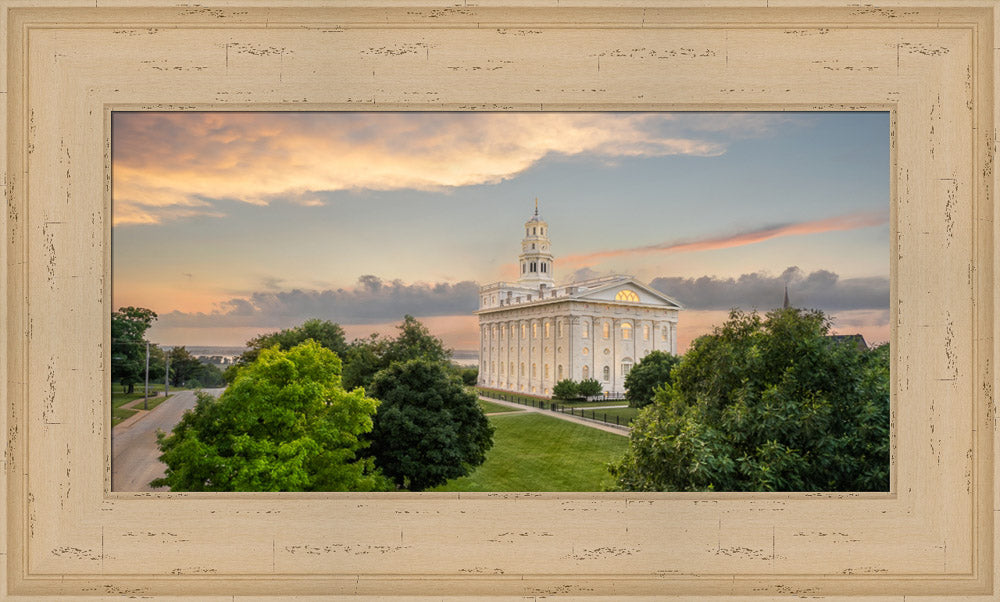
(536, 256)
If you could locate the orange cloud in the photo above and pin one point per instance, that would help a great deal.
(845, 222)
(169, 165)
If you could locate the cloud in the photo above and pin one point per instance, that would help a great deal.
(584, 273)
(818, 290)
(849, 221)
(181, 164)
(371, 301)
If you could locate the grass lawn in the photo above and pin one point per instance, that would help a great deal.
(120, 414)
(534, 452)
(489, 407)
(118, 399)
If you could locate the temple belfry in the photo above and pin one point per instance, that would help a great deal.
(536, 253)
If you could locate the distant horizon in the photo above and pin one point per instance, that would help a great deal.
(234, 224)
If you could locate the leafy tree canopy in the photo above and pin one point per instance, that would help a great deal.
(468, 374)
(429, 428)
(128, 346)
(651, 372)
(368, 356)
(566, 389)
(589, 387)
(328, 334)
(766, 404)
(187, 370)
(285, 424)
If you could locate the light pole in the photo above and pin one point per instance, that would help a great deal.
(145, 398)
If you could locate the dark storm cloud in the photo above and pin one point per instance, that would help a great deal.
(371, 301)
(818, 290)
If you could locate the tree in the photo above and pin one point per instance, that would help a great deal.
(766, 404)
(367, 357)
(589, 387)
(326, 333)
(651, 372)
(183, 366)
(468, 374)
(128, 345)
(429, 428)
(285, 424)
(187, 370)
(565, 389)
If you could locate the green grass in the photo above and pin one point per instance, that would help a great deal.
(490, 407)
(534, 452)
(120, 414)
(118, 399)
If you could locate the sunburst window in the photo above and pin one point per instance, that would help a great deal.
(627, 295)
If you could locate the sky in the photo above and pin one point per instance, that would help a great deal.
(232, 224)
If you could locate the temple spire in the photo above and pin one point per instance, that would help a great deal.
(786, 305)
(536, 256)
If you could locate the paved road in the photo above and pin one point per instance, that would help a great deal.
(134, 454)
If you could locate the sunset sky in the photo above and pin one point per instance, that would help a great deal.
(231, 224)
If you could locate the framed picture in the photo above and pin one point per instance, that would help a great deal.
(69, 68)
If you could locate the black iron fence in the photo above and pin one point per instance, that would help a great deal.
(600, 415)
(614, 418)
(525, 400)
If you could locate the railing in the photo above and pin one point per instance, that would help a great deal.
(607, 397)
(543, 403)
(596, 415)
(525, 400)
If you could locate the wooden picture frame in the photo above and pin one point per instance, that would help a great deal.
(68, 63)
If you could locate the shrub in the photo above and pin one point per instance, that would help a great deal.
(589, 388)
(565, 389)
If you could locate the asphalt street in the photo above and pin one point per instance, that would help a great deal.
(134, 454)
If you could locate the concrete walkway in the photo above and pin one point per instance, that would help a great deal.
(595, 424)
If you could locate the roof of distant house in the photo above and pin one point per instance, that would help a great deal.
(857, 339)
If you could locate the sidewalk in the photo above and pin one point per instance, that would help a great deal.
(624, 431)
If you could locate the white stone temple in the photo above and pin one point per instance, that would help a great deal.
(534, 333)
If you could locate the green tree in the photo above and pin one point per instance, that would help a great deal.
(566, 389)
(766, 404)
(366, 357)
(207, 375)
(651, 372)
(429, 428)
(128, 345)
(328, 334)
(589, 387)
(183, 366)
(285, 424)
(468, 374)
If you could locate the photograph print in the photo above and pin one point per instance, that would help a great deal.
(515, 301)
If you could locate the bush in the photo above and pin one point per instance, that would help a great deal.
(589, 388)
(565, 389)
(652, 372)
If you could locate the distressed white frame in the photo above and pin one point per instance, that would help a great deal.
(67, 64)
